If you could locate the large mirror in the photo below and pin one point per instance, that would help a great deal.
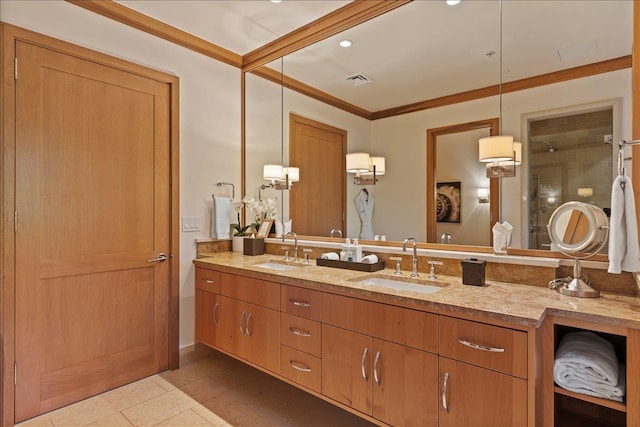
(427, 51)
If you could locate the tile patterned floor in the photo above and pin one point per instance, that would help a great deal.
(210, 389)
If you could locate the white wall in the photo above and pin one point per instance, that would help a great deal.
(209, 111)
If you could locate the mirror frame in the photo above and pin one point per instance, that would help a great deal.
(358, 12)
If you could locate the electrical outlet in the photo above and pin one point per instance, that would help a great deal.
(190, 223)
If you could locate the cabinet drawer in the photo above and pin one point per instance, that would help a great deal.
(300, 367)
(396, 324)
(255, 291)
(301, 334)
(493, 347)
(301, 302)
(208, 280)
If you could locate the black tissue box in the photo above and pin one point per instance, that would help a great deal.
(473, 272)
(253, 246)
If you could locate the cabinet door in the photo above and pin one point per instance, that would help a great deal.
(207, 317)
(232, 323)
(262, 337)
(346, 367)
(476, 396)
(405, 384)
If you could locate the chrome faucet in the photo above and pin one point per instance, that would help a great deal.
(295, 244)
(414, 262)
(335, 230)
(445, 238)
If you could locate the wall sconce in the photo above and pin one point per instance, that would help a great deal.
(483, 195)
(367, 168)
(281, 177)
(585, 191)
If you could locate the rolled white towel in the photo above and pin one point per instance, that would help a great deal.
(369, 259)
(586, 363)
(330, 255)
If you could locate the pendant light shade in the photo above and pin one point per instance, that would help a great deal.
(517, 148)
(498, 148)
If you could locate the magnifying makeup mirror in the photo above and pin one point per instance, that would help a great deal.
(579, 230)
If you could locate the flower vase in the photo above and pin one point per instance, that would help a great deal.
(238, 243)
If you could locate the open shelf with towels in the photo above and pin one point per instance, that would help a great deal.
(573, 408)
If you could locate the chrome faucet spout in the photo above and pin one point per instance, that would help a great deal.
(295, 244)
(414, 262)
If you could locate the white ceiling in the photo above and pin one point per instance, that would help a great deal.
(420, 51)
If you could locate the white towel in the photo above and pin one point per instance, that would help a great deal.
(330, 255)
(220, 218)
(586, 363)
(501, 236)
(369, 259)
(624, 253)
(280, 229)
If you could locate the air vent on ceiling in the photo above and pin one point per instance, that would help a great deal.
(359, 79)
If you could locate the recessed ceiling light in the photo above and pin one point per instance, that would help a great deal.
(450, 2)
(345, 43)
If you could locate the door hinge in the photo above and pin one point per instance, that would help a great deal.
(15, 68)
(15, 221)
(15, 374)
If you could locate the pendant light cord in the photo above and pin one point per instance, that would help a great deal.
(500, 84)
(282, 110)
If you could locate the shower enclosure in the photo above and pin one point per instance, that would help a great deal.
(568, 160)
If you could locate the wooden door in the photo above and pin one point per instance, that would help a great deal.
(262, 335)
(346, 367)
(405, 385)
(480, 397)
(232, 323)
(207, 317)
(93, 205)
(317, 202)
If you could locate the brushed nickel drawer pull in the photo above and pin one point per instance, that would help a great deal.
(299, 366)
(299, 332)
(214, 313)
(376, 377)
(364, 358)
(481, 347)
(445, 405)
(208, 281)
(242, 321)
(300, 303)
(247, 330)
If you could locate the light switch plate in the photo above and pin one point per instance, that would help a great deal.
(190, 223)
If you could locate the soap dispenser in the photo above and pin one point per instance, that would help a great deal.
(357, 251)
(345, 251)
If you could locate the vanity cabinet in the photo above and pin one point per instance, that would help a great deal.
(391, 381)
(301, 336)
(483, 374)
(207, 310)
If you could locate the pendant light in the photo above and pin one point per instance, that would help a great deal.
(497, 149)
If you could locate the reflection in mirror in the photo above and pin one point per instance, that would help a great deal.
(535, 34)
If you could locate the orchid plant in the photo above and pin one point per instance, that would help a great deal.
(262, 209)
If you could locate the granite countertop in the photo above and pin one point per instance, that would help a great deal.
(519, 304)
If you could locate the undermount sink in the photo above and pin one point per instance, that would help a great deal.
(402, 284)
(278, 265)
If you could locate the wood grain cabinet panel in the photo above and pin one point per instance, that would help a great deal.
(301, 334)
(301, 302)
(413, 328)
(474, 396)
(208, 280)
(493, 347)
(300, 367)
(255, 291)
(207, 317)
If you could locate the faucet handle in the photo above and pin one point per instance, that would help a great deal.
(307, 251)
(398, 260)
(286, 252)
(432, 270)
